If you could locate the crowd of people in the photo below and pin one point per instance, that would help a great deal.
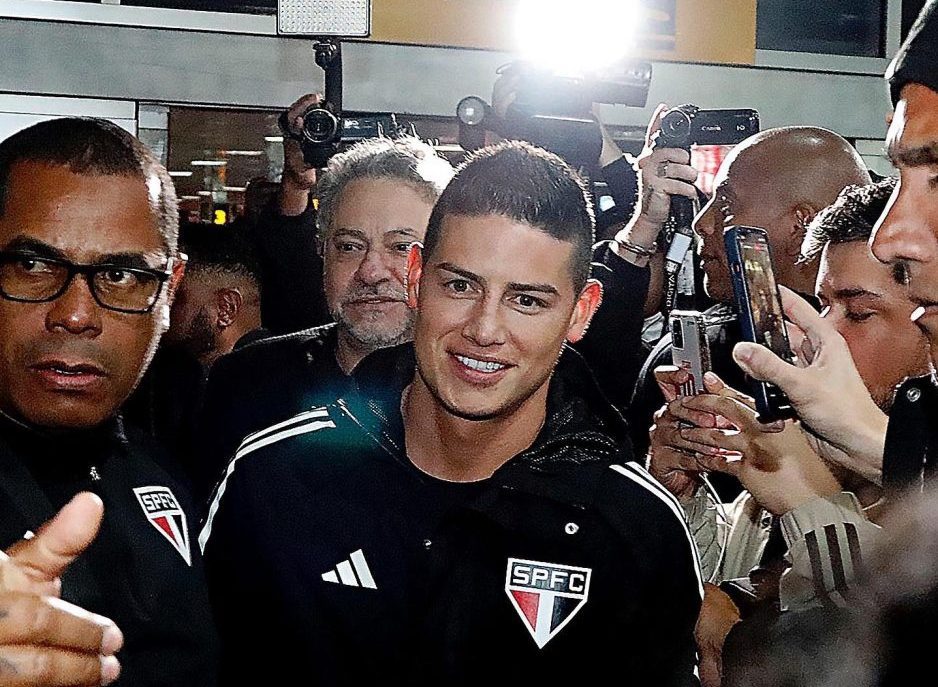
(407, 423)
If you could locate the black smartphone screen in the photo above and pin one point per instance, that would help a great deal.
(767, 316)
(760, 310)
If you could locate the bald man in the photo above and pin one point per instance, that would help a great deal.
(778, 180)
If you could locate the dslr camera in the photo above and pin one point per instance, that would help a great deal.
(688, 125)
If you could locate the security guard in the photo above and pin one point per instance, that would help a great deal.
(88, 263)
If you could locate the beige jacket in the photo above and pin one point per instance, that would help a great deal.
(826, 540)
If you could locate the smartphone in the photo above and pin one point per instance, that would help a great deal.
(690, 349)
(760, 310)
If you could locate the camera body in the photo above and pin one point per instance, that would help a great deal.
(542, 93)
(555, 112)
(324, 130)
(325, 127)
(688, 125)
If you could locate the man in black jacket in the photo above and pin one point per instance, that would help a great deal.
(385, 189)
(374, 202)
(88, 263)
(908, 235)
(472, 516)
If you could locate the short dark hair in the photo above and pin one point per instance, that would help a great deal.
(525, 184)
(849, 218)
(91, 146)
(219, 250)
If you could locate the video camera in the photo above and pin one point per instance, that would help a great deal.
(544, 94)
(688, 125)
(324, 126)
(683, 127)
(555, 112)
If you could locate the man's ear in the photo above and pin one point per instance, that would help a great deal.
(414, 272)
(175, 279)
(588, 302)
(228, 304)
(803, 213)
(178, 271)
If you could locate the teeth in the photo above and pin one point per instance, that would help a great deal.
(479, 365)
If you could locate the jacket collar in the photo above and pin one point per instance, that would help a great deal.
(108, 435)
(62, 454)
(581, 426)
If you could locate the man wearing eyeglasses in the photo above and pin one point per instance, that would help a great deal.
(88, 265)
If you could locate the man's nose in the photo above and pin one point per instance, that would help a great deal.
(703, 222)
(484, 326)
(902, 233)
(75, 311)
(374, 268)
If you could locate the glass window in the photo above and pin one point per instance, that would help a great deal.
(833, 27)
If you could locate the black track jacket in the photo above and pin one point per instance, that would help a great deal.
(330, 556)
(143, 570)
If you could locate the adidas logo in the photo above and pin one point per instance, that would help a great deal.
(352, 573)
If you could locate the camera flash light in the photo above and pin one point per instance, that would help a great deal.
(321, 18)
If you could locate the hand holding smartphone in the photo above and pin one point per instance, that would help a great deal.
(760, 311)
(690, 349)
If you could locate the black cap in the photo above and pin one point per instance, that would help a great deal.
(917, 59)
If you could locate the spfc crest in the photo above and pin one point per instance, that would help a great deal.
(163, 511)
(546, 595)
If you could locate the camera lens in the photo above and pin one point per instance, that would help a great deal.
(319, 125)
(471, 110)
(675, 124)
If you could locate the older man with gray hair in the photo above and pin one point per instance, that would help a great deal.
(374, 201)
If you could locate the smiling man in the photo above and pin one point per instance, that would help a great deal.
(88, 264)
(472, 516)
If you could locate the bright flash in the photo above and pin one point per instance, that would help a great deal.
(580, 36)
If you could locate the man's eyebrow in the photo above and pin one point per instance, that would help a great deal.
(537, 288)
(918, 156)
(357, 233)
(465, 274)
(31, 245)
(143, 261)
(405, 231)
(130, 259)
(855, 292)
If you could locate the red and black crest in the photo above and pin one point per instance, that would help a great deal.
(546, 595)
(164, 513)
